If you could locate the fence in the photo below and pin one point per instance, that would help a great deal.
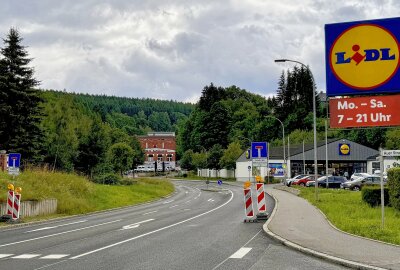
(34, 208)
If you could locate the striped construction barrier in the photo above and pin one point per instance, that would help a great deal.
(248, 202)
(17, 204)
(261, 203)
(10, 202)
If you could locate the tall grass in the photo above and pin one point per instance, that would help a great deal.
(77, 195)
(348, 212)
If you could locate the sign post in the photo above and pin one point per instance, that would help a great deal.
(14, 160)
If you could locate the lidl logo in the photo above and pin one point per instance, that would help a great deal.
(365, 56)
(344, 149)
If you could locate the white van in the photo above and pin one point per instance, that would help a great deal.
(140, 168)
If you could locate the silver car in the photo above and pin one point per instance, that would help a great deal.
(359, 182)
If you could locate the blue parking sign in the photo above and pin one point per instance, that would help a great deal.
(14, 160)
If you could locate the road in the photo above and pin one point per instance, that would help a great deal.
(192, 229)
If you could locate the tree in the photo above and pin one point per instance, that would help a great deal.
(199, 160)
(120, 156)
(214, 157)
(231, 154)
(186, 162)
(19, 102)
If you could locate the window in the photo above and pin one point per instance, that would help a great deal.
(169, 157)
(160, 157)
(150, 157)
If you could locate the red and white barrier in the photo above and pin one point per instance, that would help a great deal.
(248, 202)
(261, 203)
(17, 204)
(10, 202)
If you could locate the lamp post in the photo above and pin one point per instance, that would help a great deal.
(314, 120)
(283, 139)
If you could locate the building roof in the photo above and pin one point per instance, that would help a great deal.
(358, 152)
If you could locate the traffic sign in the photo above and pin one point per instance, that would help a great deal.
(259, 150)
(14, 160)
(13, 170)
(390, 153)
(370, 111)
(249, 168)
(219, 182)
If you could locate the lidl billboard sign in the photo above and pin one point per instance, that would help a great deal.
(363, 57)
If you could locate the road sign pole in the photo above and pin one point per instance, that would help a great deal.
(381, 161)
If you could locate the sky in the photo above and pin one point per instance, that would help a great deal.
(171, 49)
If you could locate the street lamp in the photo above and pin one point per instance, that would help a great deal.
(283, 139)
(315, 122)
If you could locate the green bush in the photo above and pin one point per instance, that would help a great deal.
(108, 179)
(394, 187)
(271, 180)
(372, 195)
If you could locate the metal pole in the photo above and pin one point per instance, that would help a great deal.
(381, 159)
(288, 154)
(304, 161)
(326, 152)
(283, 140)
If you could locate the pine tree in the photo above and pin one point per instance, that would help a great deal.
(19, 101)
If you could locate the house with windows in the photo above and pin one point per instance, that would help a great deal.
(159, 148)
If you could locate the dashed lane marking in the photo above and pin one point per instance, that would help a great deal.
(55, 256)
(26, 256)
(240, 253)
(5, 255)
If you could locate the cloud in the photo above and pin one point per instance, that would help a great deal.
(171, 49)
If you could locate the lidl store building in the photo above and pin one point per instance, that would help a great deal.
(343, 156)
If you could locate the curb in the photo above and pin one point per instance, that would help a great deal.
(312, 252)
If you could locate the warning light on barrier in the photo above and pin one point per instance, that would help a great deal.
(10, 187)
(246, 184)
(259, 179)
(18, 189)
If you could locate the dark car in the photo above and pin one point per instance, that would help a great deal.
(333, 181)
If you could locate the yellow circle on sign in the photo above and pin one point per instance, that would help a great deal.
(365, 56)
(344, 149)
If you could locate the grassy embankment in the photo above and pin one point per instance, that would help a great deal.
(77, 195)
(348, 212)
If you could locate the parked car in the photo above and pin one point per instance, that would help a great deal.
(303, 181)
(359, 182)
(354, 176)
(333, 181)
(289, 181)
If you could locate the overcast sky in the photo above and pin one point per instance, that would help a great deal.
(171, 49)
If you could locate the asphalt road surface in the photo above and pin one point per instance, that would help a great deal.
(192, 229)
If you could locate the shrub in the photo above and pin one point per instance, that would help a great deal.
(185, 175)
(372, 195)
(271, 180)
(108, 179)
(394, 187)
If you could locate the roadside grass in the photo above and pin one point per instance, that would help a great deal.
(77, 195)
(348, 212)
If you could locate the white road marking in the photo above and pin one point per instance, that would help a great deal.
(240, 253)
(210, 200)
(148, 213)
(174, 205)
(152, 232)
(26, 256)
(135, 225)
(5, 255)
(54, 256)
(168, 201)
(55, 234)
(188, 201)
(52, 227)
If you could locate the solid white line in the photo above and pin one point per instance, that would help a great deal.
(26, 256)
(240, 253)
(148, 213)
(5, 255)
(55, 234)
(52, 227)
(152, 232)
(55, 256)
(174, 206)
